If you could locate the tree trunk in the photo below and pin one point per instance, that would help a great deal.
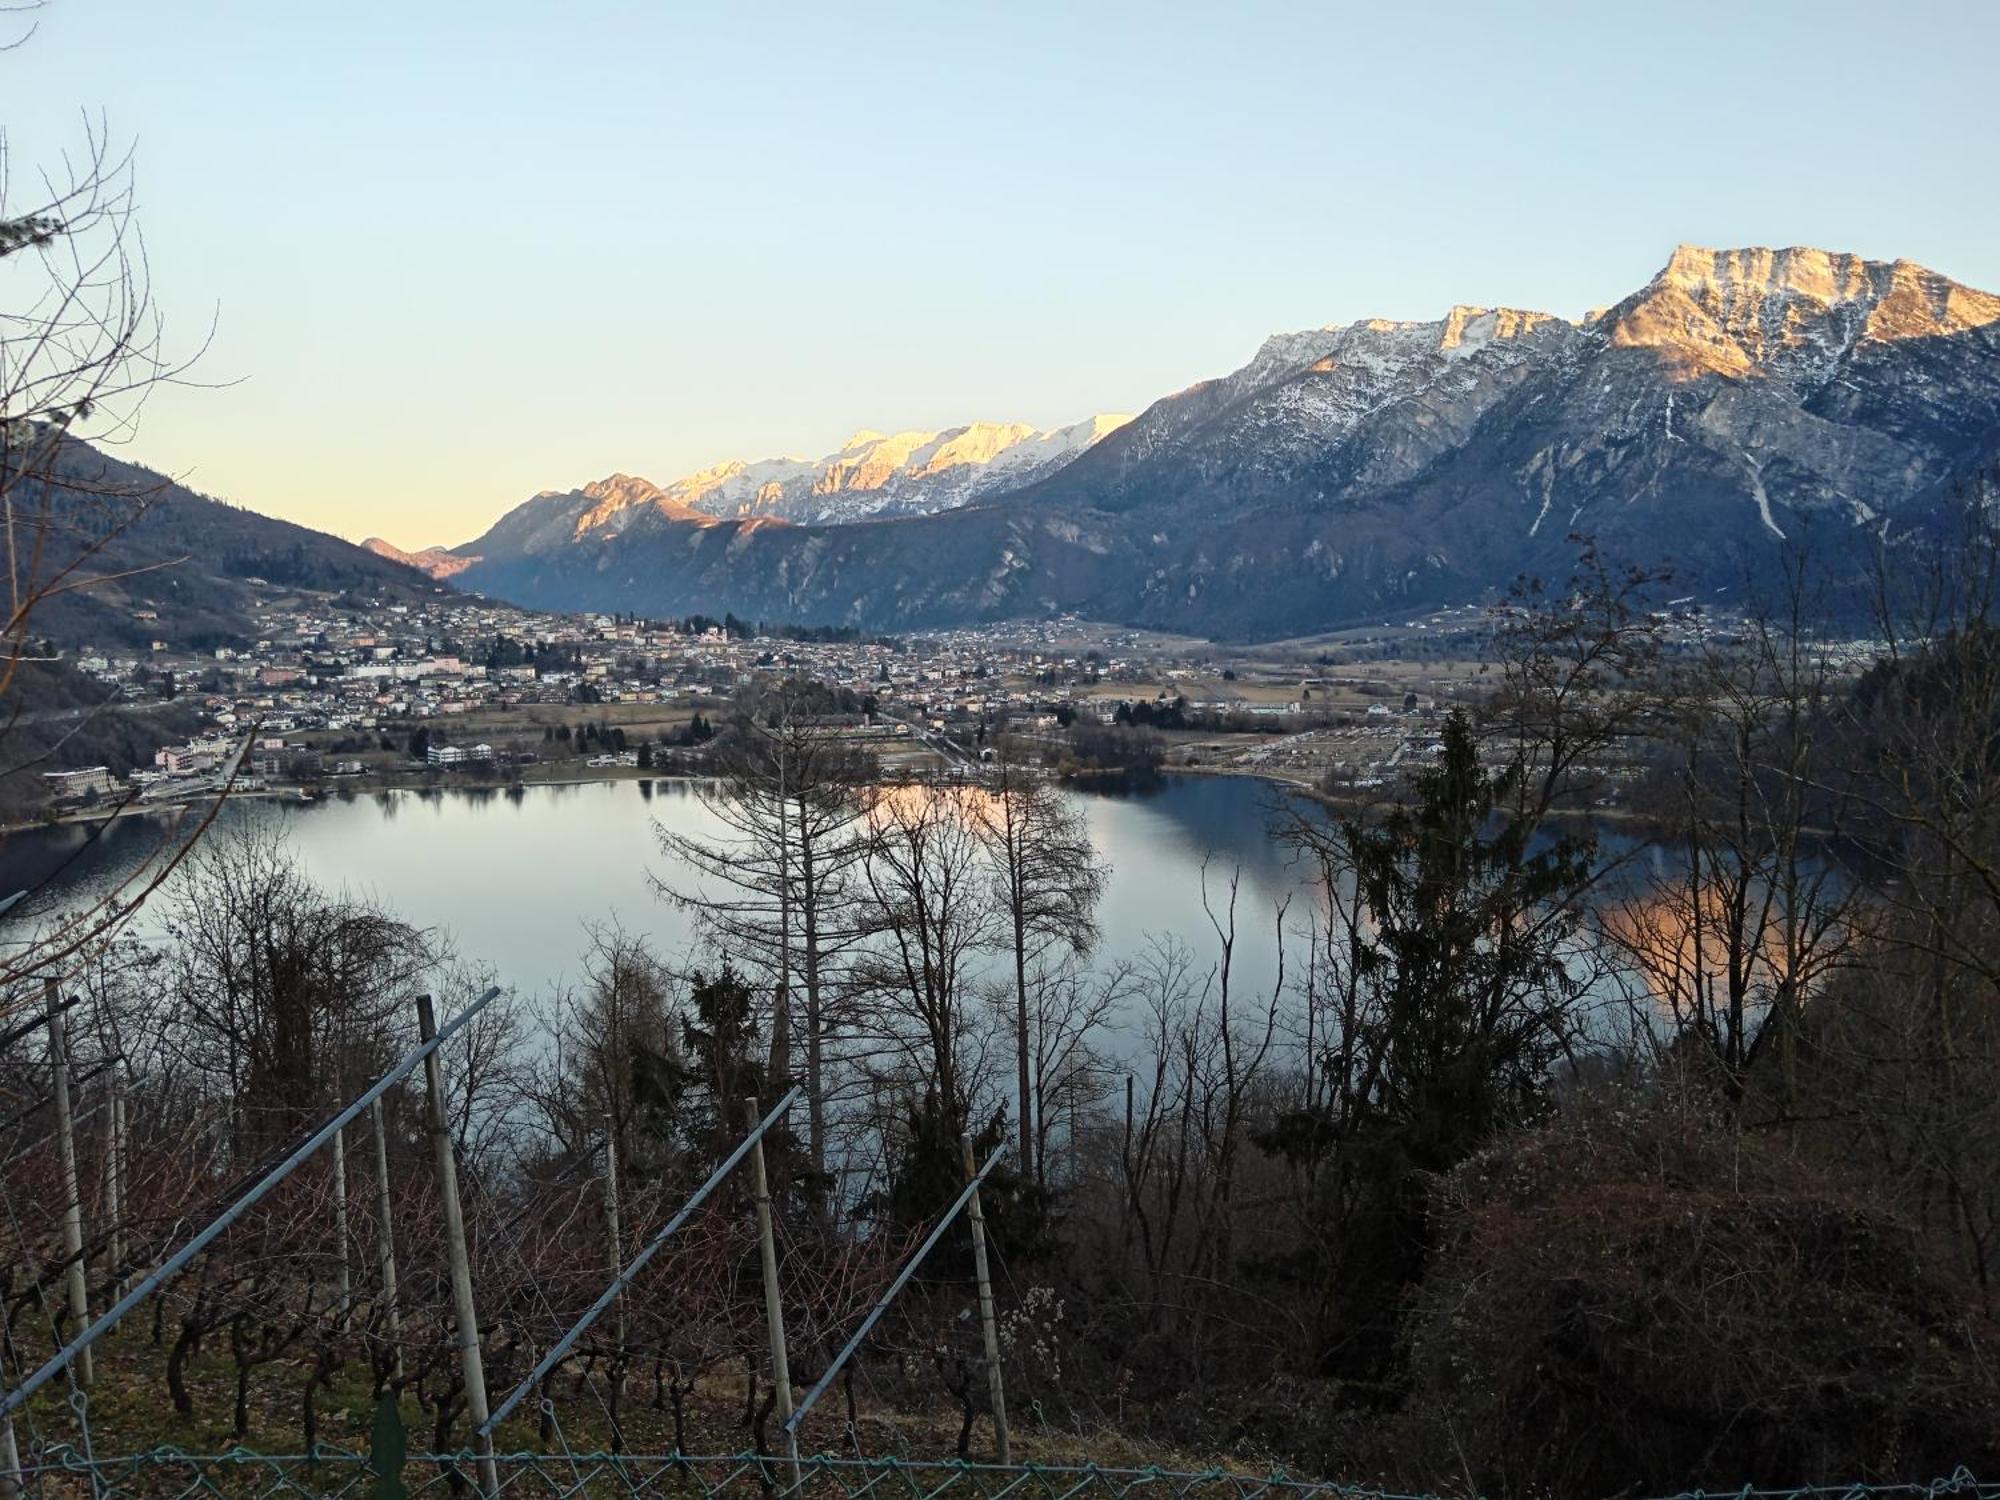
(1029, 1163)
(190, 1335)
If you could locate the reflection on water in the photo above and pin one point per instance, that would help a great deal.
(1699, 947)
(515, 878)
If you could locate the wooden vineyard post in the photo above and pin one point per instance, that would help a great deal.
(470, 1363)
(989, 1326)
(345, 1270)
(774, 1305)
(613, 1226)
(385, 1247)
(10, 1462)
(72, 1224)
(115, 1164)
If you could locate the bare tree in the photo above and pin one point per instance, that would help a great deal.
(1737, 926)
(81, 347)
(1047, 878)
(1906, 1052)
(930, 909)
(278, 988)
(1070, 1006)
(1579, 673)
(1200, 1097)
(776, 893)
(613, 1055)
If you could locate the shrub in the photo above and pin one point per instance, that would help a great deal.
(1639, 1300)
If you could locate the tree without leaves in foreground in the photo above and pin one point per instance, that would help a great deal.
(1580, 668)
(614, 1061)
(1070, 1007)
(1903, 1052)
(1183, 1167)
(1747, 913)
(279, 989)
(775, 893)
(1048, 878)
(930, 912)
(80, 349)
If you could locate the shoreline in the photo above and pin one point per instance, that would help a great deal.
(305, 794)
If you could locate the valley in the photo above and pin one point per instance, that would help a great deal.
(835, 753)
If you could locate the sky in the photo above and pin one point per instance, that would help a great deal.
(458, 251)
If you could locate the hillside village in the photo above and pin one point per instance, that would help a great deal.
(333, 692)
(330, 693)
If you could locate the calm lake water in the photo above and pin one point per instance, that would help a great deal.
(515, 879)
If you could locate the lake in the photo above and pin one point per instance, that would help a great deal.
(516, 878)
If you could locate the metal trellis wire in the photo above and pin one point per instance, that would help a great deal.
(12, 1401)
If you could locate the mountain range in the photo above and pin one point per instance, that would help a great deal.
(1740, 400)
(877, 475)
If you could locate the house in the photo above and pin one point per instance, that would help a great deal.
(186, 760)
(80, 785)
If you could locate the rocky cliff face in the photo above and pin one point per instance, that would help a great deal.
(1740, 401)
(1795, 314)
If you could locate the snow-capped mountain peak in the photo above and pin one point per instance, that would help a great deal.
(876, 474)
(1345, 472)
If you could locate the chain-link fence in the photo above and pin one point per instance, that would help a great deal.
(244, 1475)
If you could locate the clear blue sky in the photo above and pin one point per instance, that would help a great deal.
(463, 251)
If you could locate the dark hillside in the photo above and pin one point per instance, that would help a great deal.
(194, 565)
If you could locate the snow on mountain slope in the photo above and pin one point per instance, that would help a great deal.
(1374, 399)
(1738, 400)
(891, 474)
(873, 476)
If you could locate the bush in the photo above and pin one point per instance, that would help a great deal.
(1637, 1300)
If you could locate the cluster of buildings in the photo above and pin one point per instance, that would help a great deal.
(328, 686)
(325, 684)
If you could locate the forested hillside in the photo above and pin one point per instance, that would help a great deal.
(176, 565)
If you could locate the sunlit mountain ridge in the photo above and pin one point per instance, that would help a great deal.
(1738, 399)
